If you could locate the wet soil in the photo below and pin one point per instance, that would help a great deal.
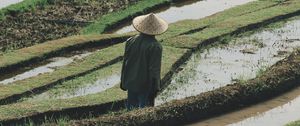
(60, 18)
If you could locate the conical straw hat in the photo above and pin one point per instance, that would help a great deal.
(150, 24)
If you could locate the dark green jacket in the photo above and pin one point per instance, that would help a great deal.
(142, 64)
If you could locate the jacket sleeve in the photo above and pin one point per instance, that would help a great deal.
(124, 60)
(155, 66)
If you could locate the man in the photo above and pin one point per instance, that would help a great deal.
(142, 62)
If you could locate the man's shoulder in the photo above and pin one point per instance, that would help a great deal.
(156, 45)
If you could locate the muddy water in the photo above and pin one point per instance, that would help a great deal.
(53, 64)
(242, 59)
(5, 3)
(189, 10)
(275, 112)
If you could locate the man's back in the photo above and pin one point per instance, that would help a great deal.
(142, 60)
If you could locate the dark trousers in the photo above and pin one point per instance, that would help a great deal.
(137, 100)
(151, 98)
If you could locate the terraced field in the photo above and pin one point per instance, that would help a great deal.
(75, 80)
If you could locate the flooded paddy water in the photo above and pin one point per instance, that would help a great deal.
(239, 60)
(183, 10)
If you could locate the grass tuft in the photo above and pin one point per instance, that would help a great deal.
(23, 6)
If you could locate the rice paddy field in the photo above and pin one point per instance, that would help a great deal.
(225, 62)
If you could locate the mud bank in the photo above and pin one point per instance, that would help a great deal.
(54, 20)
(279, 78)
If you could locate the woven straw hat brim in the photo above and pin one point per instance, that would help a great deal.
(150, 24)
